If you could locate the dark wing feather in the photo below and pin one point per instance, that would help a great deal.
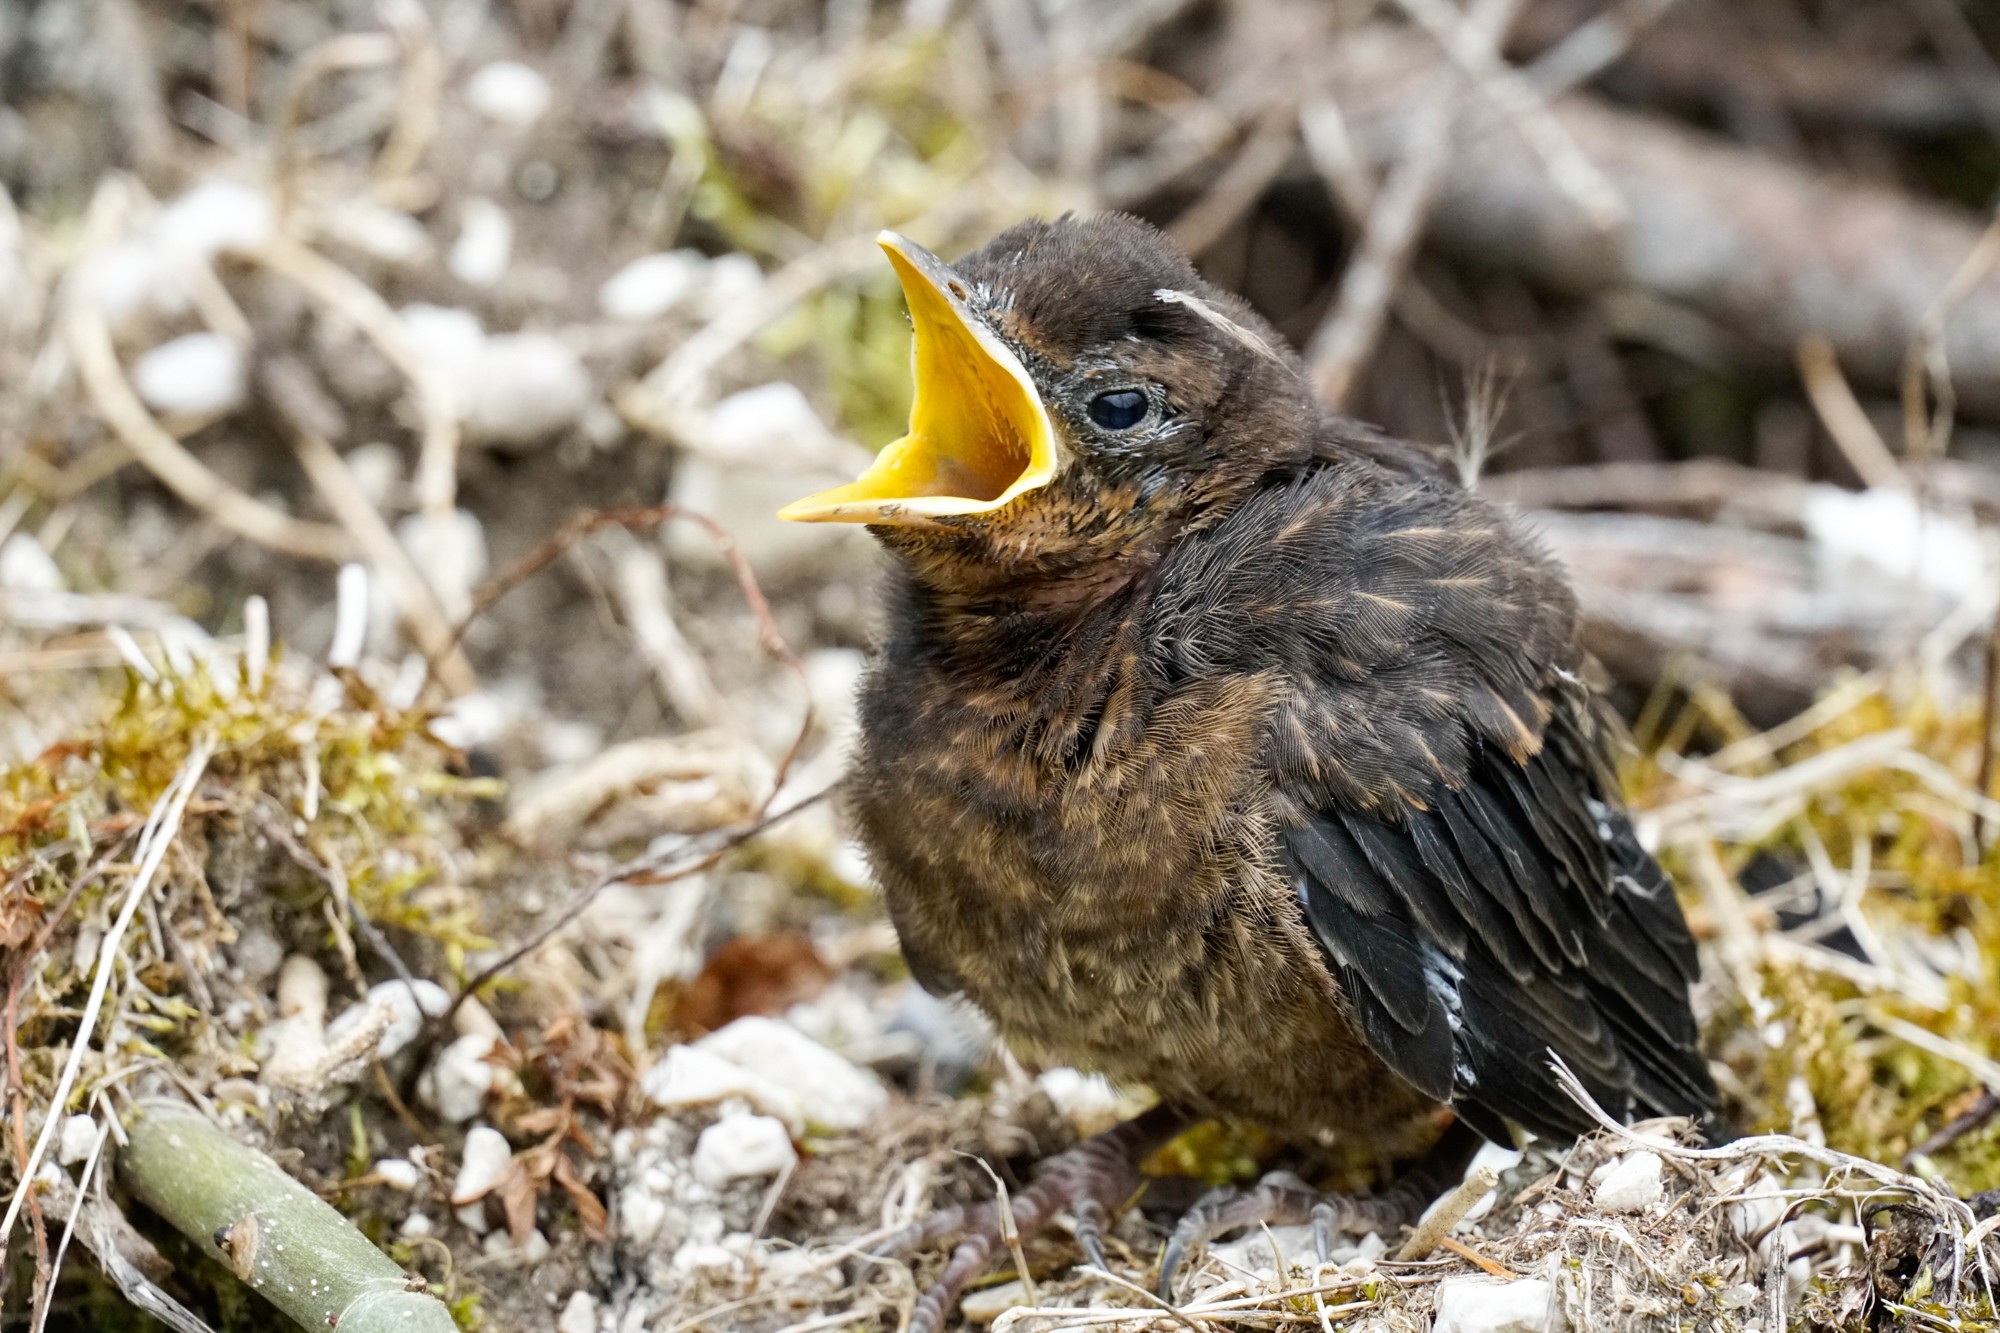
(1447, 813)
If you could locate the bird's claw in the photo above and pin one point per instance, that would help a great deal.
(1089, 1181)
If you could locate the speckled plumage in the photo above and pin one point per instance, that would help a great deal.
(1248, 759)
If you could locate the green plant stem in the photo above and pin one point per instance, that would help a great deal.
(271, 1231)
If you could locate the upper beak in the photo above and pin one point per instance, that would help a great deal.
(979, 434)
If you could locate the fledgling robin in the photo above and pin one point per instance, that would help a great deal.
(1220, 745)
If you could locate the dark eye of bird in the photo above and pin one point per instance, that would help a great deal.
(1119, 409)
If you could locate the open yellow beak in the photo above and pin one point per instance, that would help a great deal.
(979, 435)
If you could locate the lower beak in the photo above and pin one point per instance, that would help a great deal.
(979, 434)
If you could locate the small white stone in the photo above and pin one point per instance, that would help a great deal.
(415, 1225)
(508, 92)
(201, 374)
(449, 338)
(986, 1304)
(461, 1078)
(302, 988)
(486, 1157)
(134, 278)
(1482, 1305)
(400, 1005)
(381, 233)
(651, 285)
(642, 1214)
(832, 1092)
(500, 1245)
(399, 1173)
(707, 1258)
(1084, 1098)
(26, 567)
(78, 1138)
(579, 1314)
(756, 423)
(689, 1076)
(742, 1147)
(1634, 1183)
(452, 554)
(485, 243)
(524, 388)
(216, 217)
(731, 280)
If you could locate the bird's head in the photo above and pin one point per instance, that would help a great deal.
(1081, 396)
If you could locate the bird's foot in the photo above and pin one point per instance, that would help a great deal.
(1282, 1200)
(1090, 1182)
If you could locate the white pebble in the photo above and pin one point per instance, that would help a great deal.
(398, 1173)
(485, 243)
(642, 1214)
(486, 1157)
(461, 1077)
(1632, 1185)
(771, 418)
(399, 1005)
(416, 1225)
(216, 217)
(524, 388)
(449, 338)
(26, 567)
(1482, 1305)
(579, 1314)
(689, 1076)
(79, 1137)
(832, 1092)
(508, 92)
(451, 553)
(201, 374)
(732, 280)
(742, 1147)
(651, 285)
(135, 278)
(381, 233)
(302, 988)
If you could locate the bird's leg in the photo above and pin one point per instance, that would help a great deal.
(1090, 1180)
(1282, 1201)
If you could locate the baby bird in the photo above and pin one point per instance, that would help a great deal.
(1220, 745)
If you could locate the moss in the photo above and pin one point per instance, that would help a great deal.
(1928, 888)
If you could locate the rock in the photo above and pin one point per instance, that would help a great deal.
(26, 567)
(416, 1225)
(302, 988)
(452, 555)
(76, 1140)
(742, 1147)
(651, 285)
(732, 279)
(398, 1173)
(1483, 1305)
(524, 388)
(986, 1304)
(770, 423)
(579, 1314)
(485, 1159)
(1632, 1184)
(642, 1214)
(485, 243)
(199, 374)
(1089, 1100)
(397, 1008)
(460, 1078)
(135, 278)
(832, 1092)
(508, 93)
(378, 232)
(216, 217)
(500, 1245)
(688, 1077)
